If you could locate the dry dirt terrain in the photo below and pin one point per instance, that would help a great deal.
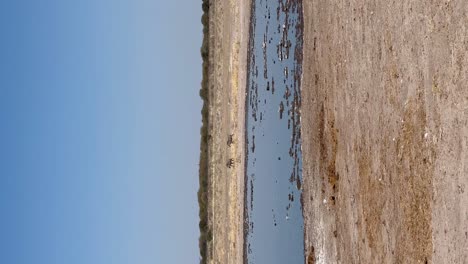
(229, 25)
(385, 131)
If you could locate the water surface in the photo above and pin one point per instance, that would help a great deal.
(274, 222)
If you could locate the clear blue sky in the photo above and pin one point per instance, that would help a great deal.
(99, 131)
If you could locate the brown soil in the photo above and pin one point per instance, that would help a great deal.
(385, 129)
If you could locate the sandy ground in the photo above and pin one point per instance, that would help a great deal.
(385, 132)
(229, 31)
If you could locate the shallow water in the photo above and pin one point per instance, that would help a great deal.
(274, 222)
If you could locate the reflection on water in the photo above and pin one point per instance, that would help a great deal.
(274, 222)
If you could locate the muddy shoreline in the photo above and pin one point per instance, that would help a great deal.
(385, 132)
(245, 217)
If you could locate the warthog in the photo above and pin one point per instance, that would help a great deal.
(230, 140)
(230, 163)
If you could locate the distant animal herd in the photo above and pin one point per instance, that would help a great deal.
(230, 141)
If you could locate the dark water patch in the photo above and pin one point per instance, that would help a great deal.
(274, 171)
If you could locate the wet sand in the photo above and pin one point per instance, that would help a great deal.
(385, 131)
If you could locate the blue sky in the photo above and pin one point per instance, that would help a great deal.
(99, 132)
